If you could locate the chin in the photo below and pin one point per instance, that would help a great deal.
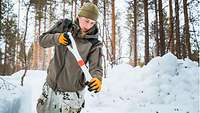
(85, 30)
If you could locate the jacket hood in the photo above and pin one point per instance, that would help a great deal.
(92, 33)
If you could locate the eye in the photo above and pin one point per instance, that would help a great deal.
(92, 23)
(86, 20)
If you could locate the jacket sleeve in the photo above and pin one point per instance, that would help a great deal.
(50, 38)
(95, 61)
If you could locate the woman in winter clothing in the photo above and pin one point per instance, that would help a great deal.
(63, 91)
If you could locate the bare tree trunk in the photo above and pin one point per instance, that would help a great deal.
(24, 41)
(0, 13)
(171, 28)
(113, 32)
(178, 49)
(183, 46)
(186, 31)
(18, 25)
(64, 10)
(156, 30)
(106, 29)
(135, 33)
(195, 35)
(49, 53)
(39, 28)
(104, 39)
(72, 8)
(146, 31)
(44, 52)
(104, 18)
(5, 59)
(1, 59)
(14, 56)
(40, 51)
(108, 40)
(18, 35)
(119, 45)
(161, 30)
(34, 58)
(75, 8)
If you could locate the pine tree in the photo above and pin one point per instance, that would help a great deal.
(146, 58)
(186, 29)
(171, 28)
(113, 33)
(9, 34)
(156, 29)
(161, 29)
(178, 49)
(1, 57)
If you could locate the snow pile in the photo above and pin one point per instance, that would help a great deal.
(10, 97)
(17, 99)
(165, 85)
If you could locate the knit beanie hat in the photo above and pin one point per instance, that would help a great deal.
(89, 10)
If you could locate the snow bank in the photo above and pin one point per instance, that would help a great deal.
(165, 85)
(17, 99)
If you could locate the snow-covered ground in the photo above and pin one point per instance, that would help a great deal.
(165, 85)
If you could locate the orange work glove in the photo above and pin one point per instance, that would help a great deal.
(64, 39)
(94, 85)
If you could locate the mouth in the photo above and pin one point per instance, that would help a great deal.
(84, 29)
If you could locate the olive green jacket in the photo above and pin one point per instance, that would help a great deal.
(64, 72)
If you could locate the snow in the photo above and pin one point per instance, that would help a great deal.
(165, 85)
(17, 99)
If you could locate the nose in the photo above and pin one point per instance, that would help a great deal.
(87, 26)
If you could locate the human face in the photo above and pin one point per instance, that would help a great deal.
(86, 23)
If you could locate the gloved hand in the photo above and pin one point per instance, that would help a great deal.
(94, 85)
(64, 39)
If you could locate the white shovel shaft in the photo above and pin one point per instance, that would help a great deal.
(73, 49)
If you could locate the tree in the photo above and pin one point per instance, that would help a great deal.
(64, 10)
(1, 16)
(186, 29)
(119, 44)
(21, 55)
(161, 30)
(146, 31)
(75, 8)
(135, 17)
(135, 33)
(24, 42)
(178, 49)
(171, 28)
(107, 41)
(194, 31)
(113, 32)
(1, 58)
(9, 33)
(38, 52)
(156, 30)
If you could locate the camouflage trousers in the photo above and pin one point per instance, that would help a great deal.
(60, 102)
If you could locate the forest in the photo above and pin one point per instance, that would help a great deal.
(132, 31)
